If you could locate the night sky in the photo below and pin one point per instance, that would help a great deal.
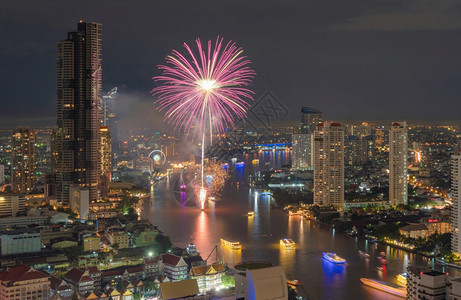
(354, 60)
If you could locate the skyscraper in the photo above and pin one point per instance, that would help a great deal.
(23, 160)
(329, 164)
(310, 117)
(456, 207)
(302, 138)
(78, 99)
(105, 156)
(398, 186)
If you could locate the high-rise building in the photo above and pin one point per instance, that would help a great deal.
(2, 174)
(105, 156)
(329, 164)
(78, 100)
(456, 207)
(303, 137)
(302, 151)
(359, 150)
(310, 117)
(109, 117)
(23, 160)
(398, 186)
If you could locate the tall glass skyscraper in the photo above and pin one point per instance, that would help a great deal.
(78, 85)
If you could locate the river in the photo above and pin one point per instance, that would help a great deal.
(176, 213)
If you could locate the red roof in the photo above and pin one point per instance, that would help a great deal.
(77, 275)
(93, 270)
(21, 273)
(171, 259)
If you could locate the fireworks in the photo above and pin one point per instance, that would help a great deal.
(205, 89)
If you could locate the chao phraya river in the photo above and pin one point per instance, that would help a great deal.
(176, 213)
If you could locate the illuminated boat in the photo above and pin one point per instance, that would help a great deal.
(332, 257)
(266, 192)
(255, 161)
(251, 213)
(232, 245)
(385, 287)
(294, 282)
(239, 164)
(287, 243)
(364, 254)
(192, 250)
(183, 187)
(402, 278)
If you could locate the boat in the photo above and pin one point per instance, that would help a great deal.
(192, 250)
(266, 192)
(287, 243)
(364, 254)
(380, 268)
(385, 287)
(239, 164)
(255, 161)
(383, 261)
(293, 282)
(402, 278)
(212, 198)
(183, 187)
(230, 244)
(251, 213)
(382, 253)
(332, 257)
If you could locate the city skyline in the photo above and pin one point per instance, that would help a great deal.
(358, 63)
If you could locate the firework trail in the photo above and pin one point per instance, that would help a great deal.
(206, 88)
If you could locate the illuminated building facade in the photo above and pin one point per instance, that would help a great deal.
(359, 150)
(455, 208)
(78, 99)
(329, 164)
(23, 160)
(105, 157)
(12, 205)
(302, 151)
(310, 117)
(398, 148)
(302, 139)
(16, 281)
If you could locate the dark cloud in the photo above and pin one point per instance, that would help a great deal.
(352, 59)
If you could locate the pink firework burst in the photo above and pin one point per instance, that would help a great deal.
(205, 89)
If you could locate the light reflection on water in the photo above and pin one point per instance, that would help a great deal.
(260, 235)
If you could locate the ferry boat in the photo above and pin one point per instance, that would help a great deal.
(251, 213)
(385, 287)
(402, 278)
(332, 257)
(239, 164)
(230, 244)
(287, 243)
(364, 254)
(192, 250)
